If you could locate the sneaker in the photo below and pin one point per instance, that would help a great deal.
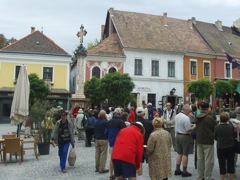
(186, 174)
(64, 170)
(178, 172)
(103, 171)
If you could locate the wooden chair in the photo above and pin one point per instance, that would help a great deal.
(6, 136)
(34, 145)
(12, 145)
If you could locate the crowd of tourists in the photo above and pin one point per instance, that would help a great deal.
(145, 134)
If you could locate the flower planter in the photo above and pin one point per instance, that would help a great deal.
(43, 148)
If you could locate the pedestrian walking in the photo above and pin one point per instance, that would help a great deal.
(63, 135)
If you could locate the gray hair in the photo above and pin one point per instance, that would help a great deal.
(232, 114)
(186, 107)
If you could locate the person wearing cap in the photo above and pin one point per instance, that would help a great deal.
(79, 124)
(169, 122)
(101, 142)
(184, 142)
(113, 128)
(205, 124)
(148, 130)
(128, 150)
(63, 136)
(159, 150)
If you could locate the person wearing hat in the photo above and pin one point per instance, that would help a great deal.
(128, 150)
(159, 150)
(205, 124)
(113, 128)
(63, 136)
(79, 124)
(140, 112)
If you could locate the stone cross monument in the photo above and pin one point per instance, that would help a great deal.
(81, 52)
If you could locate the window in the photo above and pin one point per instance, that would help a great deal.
(155, 68)
(112, 70)
(152, 99)
(6, 109)
(96, 72)
(138, 67)
(228, 70)
(48, 74)
(17, 70)
(171, 69)
(193, 67)
(206, 69)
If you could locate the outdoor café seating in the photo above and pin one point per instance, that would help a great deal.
(12, 145)
(5, 136)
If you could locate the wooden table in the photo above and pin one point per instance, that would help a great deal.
(21, 141)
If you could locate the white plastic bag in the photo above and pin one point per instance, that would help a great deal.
(72, 157)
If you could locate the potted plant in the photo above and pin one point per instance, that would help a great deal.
(40, 117)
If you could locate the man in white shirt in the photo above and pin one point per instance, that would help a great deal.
(169, 122)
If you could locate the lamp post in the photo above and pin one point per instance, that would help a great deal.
(172, 91)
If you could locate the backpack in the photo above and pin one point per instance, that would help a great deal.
(83, 123)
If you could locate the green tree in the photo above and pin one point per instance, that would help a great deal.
(223, 87)
(93, 91)
(38, 89)
(5, 42)
(93, 44)
(234, 84)
(201, 88)
(117, 88)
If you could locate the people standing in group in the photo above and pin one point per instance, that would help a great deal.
(113, 128)
(169, 122)
(132, 115)
(184, 142)
(101, 142)
(158, 148)
(63, 135)
(79, 123)
(89, 128)
(205, 124)
(224, 135)
(128, 150)
(148, 130)
(150, 111)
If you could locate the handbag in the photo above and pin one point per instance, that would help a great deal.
(72, 157)
(237, 146)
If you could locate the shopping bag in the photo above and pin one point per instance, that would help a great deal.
(72, 157)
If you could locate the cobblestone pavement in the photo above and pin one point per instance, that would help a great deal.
(48, 165)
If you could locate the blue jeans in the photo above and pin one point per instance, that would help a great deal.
(63, 152)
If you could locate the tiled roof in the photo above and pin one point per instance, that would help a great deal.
(219, 40)
(35, 42)
(108, 47)
(145, 31)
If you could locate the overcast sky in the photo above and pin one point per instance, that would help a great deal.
(60, 20)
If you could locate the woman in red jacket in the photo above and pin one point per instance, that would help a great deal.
(128, 150)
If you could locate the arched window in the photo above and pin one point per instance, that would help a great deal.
(96, 72)
(112, 70)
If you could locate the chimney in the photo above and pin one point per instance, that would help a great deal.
(165, 19)
(218, 24)
(110, 21)
(189, 22)
(193, 20)
(32, 29)
(102, 32)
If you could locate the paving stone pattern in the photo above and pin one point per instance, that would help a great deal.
(48, 165)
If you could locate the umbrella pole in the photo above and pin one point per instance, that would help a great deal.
(19, 129)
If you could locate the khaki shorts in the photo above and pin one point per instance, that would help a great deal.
(184, 144)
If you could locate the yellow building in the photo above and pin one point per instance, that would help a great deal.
(40, 55)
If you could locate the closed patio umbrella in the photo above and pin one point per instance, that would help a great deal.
(20, 103)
